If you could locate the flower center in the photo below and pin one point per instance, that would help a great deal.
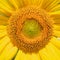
(30, 28)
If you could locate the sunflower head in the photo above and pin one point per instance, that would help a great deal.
(30, 28)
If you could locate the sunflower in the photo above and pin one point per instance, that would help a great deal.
(29, 29)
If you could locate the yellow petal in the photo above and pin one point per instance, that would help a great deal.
(46, 3)
(17, 3)
(7, 3)
(11, 53)
(56, 18)
(4, 5)
(4, 12)
(3, 20)
(56, 8)
(55, 41)
(3, 42)
(26, 56)
(54, 13)
(56, 33)
(57, 21)
(52, 4)
(56, 27)
(2, 33)
(44, 55)
(8, 53)
(20, 55)
(2, 27)
(53, 51)
(33, 2)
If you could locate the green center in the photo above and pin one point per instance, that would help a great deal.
(31, 28)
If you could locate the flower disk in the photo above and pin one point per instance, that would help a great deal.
(30, 28)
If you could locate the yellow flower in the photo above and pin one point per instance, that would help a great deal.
(29, 29)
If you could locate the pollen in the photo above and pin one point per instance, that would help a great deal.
(30, 28)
